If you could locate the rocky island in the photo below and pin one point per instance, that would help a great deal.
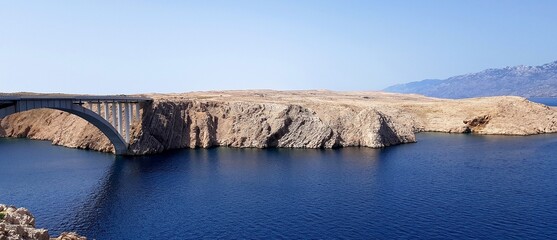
(290, 119)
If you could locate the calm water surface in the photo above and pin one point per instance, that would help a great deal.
(444, 187)
(546, 101)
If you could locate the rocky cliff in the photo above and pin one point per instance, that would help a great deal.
(292, 119)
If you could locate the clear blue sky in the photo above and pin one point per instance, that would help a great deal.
(106, 47)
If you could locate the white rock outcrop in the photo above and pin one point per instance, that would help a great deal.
(19, 224)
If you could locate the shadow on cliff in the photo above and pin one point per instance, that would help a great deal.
(387, 135)
(168, 126)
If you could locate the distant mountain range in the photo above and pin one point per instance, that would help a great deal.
(526, 81)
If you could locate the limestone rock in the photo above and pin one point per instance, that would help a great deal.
(70, 236)
(19, 216)
(19, 224)
(291, 119)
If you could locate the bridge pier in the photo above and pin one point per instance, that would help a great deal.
(114, 120)
(105, 104)
(99, 108)
(127, 120)
(137, 112)
(119, 116)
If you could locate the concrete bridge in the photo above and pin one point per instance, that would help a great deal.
(113, 115)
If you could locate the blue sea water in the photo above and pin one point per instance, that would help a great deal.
(546, 101)
(443, 187)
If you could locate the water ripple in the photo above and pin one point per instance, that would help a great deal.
(444, 187)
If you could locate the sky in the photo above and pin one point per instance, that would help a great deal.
(123, 47)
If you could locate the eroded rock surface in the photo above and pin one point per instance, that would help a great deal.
(294, 119)
(19, 224)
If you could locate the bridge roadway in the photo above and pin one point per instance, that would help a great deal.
(112, 115)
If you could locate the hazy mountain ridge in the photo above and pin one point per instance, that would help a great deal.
(526, 81)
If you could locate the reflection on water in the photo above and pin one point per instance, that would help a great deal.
(444, 186)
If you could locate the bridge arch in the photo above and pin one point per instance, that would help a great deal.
(116, 108)
(120, 145)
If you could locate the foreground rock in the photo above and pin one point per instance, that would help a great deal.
(19, 223)
(293, 119)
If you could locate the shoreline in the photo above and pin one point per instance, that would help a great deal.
(290, 119)
(275, 148)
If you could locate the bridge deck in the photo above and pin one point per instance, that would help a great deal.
(87, 98)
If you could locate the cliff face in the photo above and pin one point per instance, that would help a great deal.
(194, 123)
(296, 119)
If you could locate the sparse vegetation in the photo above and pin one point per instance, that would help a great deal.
(2, 215)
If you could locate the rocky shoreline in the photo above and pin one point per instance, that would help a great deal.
(290, 119)
(19, 223)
